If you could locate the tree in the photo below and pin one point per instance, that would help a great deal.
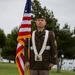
(51, 20)
(66, 43)
(64, 39)
(2, 38)
(9, 50)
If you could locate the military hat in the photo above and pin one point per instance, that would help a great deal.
(41, 16)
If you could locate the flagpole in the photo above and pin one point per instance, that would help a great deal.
(29, 11)
(28, 71)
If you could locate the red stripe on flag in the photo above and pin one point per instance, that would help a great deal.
(25, 26)
(23, 40)
(26, 18)
(19, 49)
(23, 33)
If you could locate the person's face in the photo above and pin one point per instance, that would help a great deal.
(40, 22)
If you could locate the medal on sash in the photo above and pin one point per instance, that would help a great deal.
(38, 57)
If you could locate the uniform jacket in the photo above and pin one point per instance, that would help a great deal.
(48, 56)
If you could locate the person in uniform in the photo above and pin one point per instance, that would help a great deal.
(43, 50)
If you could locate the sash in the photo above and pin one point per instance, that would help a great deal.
(43, 46)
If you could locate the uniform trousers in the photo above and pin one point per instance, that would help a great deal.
(39, 72)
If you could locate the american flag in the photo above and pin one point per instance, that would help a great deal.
(24, 32)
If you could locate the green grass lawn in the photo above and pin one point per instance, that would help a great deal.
(8, 69)
(11, 69)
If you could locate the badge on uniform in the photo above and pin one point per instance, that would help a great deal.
(38, 57)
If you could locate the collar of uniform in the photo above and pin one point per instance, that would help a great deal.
(40, 32)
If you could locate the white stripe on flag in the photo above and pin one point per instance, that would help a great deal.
(23, 52)
(27, 14)
(18, 45)
(26, 22)
(21, 62)
(25, 29)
